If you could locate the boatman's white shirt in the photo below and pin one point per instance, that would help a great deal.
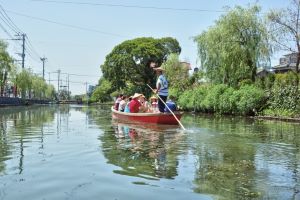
(162, 81)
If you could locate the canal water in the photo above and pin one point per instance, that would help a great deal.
(80, 152)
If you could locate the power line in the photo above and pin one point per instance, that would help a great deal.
(9, 20)
(8, 34)
(75, 74)
(30, 50)
(2, 17)
(81, 75)
(78, 82)
(128, 6)
(67, 25)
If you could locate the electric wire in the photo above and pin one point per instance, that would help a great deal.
(67, 25)
(30, 50)
(128, 6)
(9, 19)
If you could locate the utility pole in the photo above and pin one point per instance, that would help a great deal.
(66, 86)
(23, 49)
(23, 35)
(43, 60)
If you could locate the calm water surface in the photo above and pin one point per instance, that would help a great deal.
(74, 152)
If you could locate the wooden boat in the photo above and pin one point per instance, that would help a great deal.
(157, 118)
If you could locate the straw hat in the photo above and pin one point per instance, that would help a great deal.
(153, 97)
(136, 95)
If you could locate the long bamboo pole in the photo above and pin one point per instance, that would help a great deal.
(168, 108)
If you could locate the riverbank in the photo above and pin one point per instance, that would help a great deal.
(14, 101)
(261, 117)
(284, 119)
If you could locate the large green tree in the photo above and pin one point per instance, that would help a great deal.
(6, 65)
(284, 27)
(39, 87)
(129, 62)
(50, 92)
(176, 72)
(102, 91)
(24, 82)
(231, 49)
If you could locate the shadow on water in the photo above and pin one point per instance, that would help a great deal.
(143, 150)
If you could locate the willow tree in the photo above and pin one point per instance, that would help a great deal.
(176, 72)
(128, 65)
(284, 27)
(24, 82)
(6, 65)
(231, 50)
(50, 92)
(39, 87)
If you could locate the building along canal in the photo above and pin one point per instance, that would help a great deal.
(79, 152)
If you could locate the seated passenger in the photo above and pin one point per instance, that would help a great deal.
(117, 102)
(134, 105)
(153, 101)
(171, 105)
(127, 105)
(123, 103)
(145, 106)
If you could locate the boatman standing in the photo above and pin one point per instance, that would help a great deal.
(161, 88)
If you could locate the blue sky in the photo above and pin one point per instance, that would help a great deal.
(76, 35)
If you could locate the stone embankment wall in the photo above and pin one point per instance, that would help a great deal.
(11, 101)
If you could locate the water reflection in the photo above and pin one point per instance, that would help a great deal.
(222, 157)
(247, 158)
(141, 151)
(20, 126)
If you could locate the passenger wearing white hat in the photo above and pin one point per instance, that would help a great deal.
(134, 105)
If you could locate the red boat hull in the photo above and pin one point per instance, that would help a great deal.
(156, 118)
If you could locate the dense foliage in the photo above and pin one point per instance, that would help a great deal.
(6, 65)
(231, 50)
(24, 82)
(223, 99)
(176, 72)
(102, 91)
(284, 96)
(128, 65)
(32, 86)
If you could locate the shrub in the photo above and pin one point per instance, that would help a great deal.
(175, 92)
(227, 102)
(286, 79)
(285, 97)
(280, 112)
(211, 101)
(250, 99)
(186, 100)
(199, 95)
(223, 99)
